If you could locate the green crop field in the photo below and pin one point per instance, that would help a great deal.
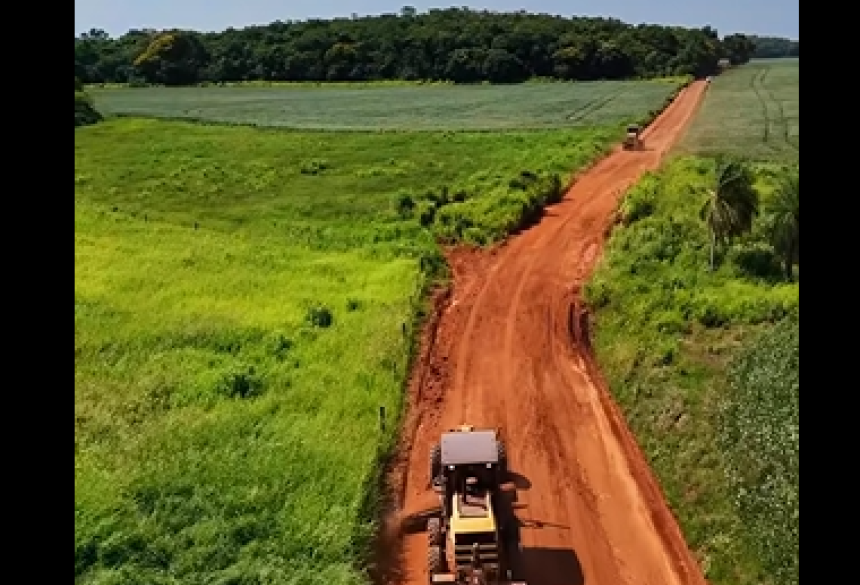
(244, 304)
(538, 105)
(752, 111)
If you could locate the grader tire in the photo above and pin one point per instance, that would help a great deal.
(434, 560)
(502, 455)
(434, 532)
(435, 462)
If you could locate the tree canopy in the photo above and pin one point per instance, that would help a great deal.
(773, 47)
(456, 44)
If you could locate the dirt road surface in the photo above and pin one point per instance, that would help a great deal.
(511, 350)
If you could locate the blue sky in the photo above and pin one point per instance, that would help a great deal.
(763, 17)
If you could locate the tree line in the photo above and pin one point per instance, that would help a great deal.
(454, 44)
(775, 47)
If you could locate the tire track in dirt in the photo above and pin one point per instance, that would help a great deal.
(512, 350)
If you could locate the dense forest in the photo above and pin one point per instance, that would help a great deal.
(454, 44)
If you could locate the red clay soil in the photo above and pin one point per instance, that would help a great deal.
(510, 349)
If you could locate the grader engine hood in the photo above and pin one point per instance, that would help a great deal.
(470, 515)
(451, 578)
(473, 526)
(472, 580)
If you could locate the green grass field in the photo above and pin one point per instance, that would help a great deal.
(752, 111)
(666, 331)
(244, 303)
(484, 107)
(210, 417)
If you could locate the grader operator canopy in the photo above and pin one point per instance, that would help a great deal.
(475, 447)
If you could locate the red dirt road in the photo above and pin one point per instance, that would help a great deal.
(511, 350)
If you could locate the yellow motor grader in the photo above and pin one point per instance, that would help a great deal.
(471, 538)
(633, 137)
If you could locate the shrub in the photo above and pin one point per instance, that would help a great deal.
(320, 316)
(405, 205)
(85, 113)
(313, 167)
(757, 260)
(240, 382)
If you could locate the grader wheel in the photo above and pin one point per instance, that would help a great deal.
(434, 532)
(502, 454)
(435, 462)
(434, 560)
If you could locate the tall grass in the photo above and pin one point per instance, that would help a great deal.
(213, 405)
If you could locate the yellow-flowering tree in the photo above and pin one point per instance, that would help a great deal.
(172, 58)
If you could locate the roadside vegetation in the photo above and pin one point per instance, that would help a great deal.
(703, 261)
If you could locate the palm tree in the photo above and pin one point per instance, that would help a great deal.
(731, 204)
(784, 212)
